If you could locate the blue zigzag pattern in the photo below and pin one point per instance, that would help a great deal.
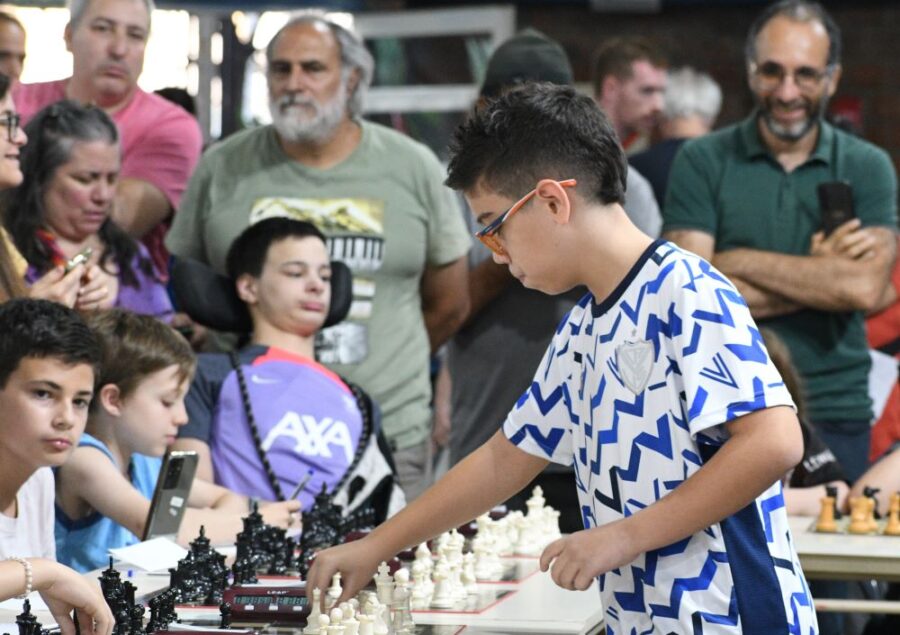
(768, 506)
(661, 444)
(681, 586)
(739, 408)
(728, 619)
(656, 327)
(693, 278)
(723, 296)
(649, 287)
(547, 443)
(694, 344)
(754, 351)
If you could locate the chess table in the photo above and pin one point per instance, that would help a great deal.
(847, 557)
(533, 605)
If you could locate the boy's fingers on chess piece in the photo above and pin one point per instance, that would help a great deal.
(64, 590)
(357, 562)
(575, 560)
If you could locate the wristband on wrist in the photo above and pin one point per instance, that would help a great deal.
(29, 577)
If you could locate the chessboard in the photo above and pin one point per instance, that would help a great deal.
(473, 603)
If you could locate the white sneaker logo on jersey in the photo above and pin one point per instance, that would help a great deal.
(635, 361)
(312, 437)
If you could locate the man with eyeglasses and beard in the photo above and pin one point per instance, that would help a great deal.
(746, 198)
(378, 197)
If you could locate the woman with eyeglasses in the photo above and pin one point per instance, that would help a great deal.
(60, 212)
(80, 286)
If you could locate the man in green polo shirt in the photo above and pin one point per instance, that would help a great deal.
(745, 198)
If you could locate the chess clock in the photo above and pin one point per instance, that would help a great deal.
(267, 603)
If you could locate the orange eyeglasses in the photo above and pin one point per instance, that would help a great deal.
(488, 235)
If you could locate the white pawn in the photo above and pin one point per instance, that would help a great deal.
(422, 586)
(312, 621)
(423, 555)
(468, 574)
(334, 591)
(335, 618)
(402, 617)
(324, 623)
(350, 623)
(377, 611)
(443, 593)
(366, 625)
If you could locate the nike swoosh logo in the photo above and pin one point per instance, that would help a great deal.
(256, 379)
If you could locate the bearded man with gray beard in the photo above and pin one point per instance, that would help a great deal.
(378, 197)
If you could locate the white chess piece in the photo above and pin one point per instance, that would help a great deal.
(468, 574)
(334, 591)
(312, 621)
(335, 619)
(443, 593)
(366, 624)
(384, 584)
(423, 555)
(350, 623)
(422, 586)
(402, 619)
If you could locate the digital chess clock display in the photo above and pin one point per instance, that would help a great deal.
(263, 603)
(280, 600)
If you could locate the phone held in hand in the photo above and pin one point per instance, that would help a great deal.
(835, 204)
(81, 258)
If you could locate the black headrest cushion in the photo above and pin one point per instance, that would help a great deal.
(210, 298)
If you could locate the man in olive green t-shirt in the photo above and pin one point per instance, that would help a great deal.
(745, 198)
(379, 198)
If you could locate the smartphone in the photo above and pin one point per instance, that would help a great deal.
(171, 494)
(835, 204)
(80, 258)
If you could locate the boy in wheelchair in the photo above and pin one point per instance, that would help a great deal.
(268, 421)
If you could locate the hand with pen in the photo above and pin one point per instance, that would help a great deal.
(286, 513)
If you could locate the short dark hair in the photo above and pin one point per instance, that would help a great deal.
(534, 132)
(799, 11)
(247, 253)
(43, 329)
(134, 346)
(616, 56)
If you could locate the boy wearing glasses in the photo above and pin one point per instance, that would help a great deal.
(747, 198)
(656, 389)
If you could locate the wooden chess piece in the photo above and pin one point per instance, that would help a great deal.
(893, 524)
(870, 515)
(826, 523)
(859, 518)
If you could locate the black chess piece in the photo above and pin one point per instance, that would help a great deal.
(225, 614)
(26, 621)
(871, 492)
(831, 491)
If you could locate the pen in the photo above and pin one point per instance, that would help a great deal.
(301, 484)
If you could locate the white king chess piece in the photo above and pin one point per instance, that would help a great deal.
(635, 361)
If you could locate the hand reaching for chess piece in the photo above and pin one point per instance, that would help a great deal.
(63, 590)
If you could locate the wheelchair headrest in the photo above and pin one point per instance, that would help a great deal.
(210, 298)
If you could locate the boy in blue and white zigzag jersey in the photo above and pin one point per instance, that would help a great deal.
(656, 388)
